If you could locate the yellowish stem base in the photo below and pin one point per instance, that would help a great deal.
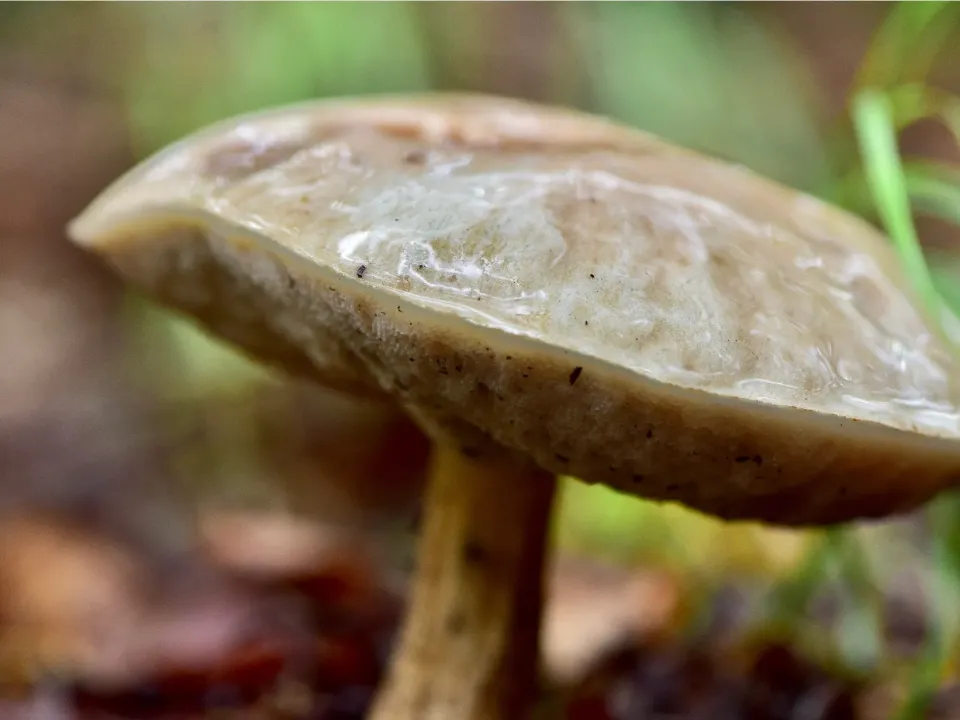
(469, 649)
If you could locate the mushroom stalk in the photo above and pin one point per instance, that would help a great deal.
(469, 648)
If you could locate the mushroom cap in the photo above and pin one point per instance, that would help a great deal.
(551, 283)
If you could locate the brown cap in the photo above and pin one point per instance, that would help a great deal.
(610, 306)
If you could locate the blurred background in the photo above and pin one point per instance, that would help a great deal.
(175, 521)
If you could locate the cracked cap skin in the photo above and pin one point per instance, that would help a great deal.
(552, 284)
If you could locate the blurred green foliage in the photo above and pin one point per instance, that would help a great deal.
(710, 77)
(258, 55)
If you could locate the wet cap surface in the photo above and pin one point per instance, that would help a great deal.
(611, 306)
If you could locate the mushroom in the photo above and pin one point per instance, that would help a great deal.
(546, 293)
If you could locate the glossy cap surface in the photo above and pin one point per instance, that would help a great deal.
(609, 305)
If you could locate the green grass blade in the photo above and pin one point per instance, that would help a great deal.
(876, 137)
(890, 187)
(907, 43)
(933, 193)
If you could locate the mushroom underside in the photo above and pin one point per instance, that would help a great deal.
(734, 459)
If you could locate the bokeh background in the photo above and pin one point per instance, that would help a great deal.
(123, 426)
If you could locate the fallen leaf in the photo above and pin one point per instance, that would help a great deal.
(78, 606)
(593, 609)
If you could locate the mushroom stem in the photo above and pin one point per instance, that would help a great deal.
(469, 648)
